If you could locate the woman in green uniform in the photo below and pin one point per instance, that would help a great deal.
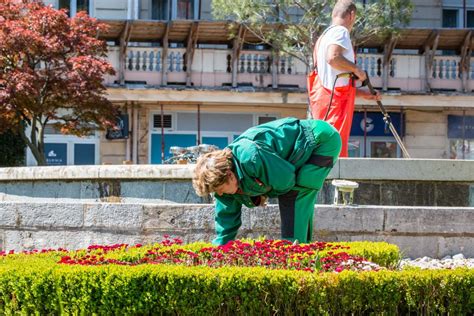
(287, 158)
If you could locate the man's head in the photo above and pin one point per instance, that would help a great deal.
(344, 13)
(214, 173)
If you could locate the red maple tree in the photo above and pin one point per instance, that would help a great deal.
(51, 72)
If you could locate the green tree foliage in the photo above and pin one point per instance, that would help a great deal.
(12, 149)
(293, 26)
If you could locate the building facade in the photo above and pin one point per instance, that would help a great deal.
(181, 81)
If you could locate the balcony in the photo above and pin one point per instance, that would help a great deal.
(212, 68)
(424, 70)
(407, 72)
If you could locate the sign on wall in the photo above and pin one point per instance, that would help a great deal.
(121, 130)
(374, 124)
(56, 154)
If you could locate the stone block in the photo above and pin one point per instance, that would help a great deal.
(368, 193)
(424, 194)
(144, 190)
(180, 192)
(146, 172)
(57, 215)
(17, 189)
(90, 190)
(406, 169)
(415, 246)
(8, 214)
(29, 240)
(178, 217)
(452, 194)
(113, 216)
(429, 220)
(471, 195)
(261, 218)
(449, 246)
(56, 189)
(326, 194)
(396, 193)
(348, 218)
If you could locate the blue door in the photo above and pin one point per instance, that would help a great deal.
(170, 140)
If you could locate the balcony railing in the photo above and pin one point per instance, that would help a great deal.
(212, 68)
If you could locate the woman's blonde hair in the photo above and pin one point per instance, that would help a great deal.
(212, 170)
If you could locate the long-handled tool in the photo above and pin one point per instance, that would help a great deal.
(386, 116)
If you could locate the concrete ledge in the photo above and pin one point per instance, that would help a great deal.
(419, 231)
(97, 172)
(406, 169)
(346, 168)
(381, 182)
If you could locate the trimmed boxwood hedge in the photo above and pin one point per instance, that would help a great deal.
(35, 284)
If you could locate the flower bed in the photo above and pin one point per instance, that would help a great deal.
(271, 254)
(196, 279)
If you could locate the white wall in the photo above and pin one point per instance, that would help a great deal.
(110, 9)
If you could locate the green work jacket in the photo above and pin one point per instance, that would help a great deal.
(266, 159)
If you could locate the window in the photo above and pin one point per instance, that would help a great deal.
(383, 149)
(470, 19)
(74, 6)
(459, 149)
(265, 119)
(454, 17)
(82, 5)
(450, 17)
(185, 10)
(160, 10)
(461, 136)
(354, 148)
(371, 137)
(167, 121)
(65, 4)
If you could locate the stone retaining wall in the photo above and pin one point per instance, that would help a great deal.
(407, 182)
(419, 231)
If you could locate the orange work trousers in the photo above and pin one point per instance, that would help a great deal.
(341, 109)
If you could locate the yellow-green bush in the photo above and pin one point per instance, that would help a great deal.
(160, 289)
(36, 284)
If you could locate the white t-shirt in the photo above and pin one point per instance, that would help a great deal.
(338, 35)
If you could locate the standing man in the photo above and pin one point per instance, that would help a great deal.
(333, 55)
(287, 158)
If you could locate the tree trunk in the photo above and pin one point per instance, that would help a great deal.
(39, 156)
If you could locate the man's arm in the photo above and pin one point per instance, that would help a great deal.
(365, 93)
(336, 60)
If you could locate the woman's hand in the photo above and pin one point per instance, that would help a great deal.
(260, 200)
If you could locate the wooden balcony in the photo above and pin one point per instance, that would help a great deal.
(212, 68)
(425, 70)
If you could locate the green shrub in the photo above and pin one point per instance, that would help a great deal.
(37, 284)
(42, 288)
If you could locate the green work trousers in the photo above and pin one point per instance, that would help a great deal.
(297, 206)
